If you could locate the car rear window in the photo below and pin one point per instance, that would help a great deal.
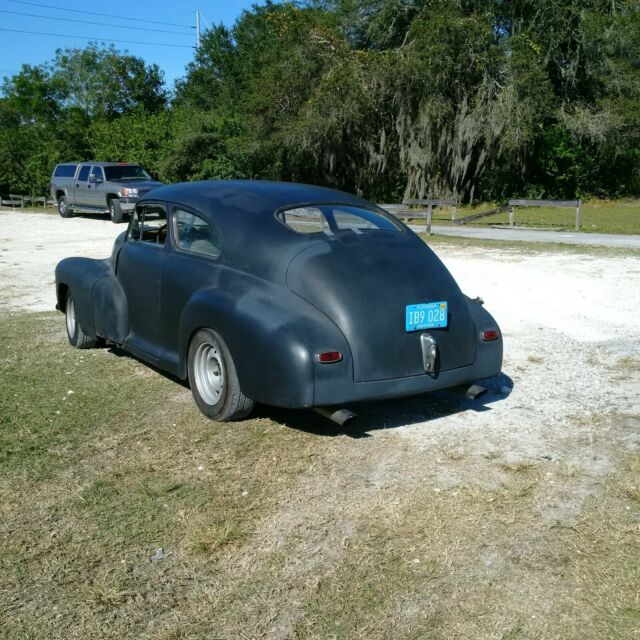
(65, 171)
(331, 218)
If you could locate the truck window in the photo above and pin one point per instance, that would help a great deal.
(97, 171)
(65, 171)
(83, 176)
(119, 172)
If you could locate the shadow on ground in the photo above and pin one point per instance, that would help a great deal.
(390, 414)
(371, 416)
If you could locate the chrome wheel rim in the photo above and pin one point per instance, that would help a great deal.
(62, 206)
(112, 211)
(208, 369)
(71, 318)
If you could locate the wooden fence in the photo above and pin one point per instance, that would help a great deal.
(566, 204)
(403, 211)
(14, 201)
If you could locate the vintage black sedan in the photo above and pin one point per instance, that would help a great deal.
(285, 294)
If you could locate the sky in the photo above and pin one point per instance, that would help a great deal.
(159, 31)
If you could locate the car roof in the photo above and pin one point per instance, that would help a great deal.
(256, 198)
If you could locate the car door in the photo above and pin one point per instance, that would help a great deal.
(82, 192)
(141, 263)
(193, 264)
(95, 188)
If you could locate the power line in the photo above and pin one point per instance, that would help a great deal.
(102, 15)
(97, 38)
(118, 26)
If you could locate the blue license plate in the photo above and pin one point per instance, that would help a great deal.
(429, 315)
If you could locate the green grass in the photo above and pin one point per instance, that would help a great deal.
(282, 526)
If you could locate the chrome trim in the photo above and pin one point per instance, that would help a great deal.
(429, 352)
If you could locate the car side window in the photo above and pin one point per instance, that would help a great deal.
(195, 234)
(148, 224)
(83, 176)
(97, 172)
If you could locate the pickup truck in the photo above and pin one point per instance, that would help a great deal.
(99, 187)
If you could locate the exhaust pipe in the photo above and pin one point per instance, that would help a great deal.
(339, 416)
(475, 391)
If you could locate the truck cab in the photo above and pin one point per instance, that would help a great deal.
(100, 187)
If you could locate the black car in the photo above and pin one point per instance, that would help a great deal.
(286, 294)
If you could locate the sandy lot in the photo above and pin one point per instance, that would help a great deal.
(565, 412)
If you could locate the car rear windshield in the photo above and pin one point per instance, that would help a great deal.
(331, 218)
(126, 172)
(65, 171)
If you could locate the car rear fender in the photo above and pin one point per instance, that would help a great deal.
(272, 336)
(488, 354)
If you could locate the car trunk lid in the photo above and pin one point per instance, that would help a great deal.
(364, 282)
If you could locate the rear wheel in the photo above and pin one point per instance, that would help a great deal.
(115, 211)
(77, 337)
(63, 207)
(213, 379)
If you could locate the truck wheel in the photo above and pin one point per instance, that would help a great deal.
(115, 211)
(63, 207)
(213, 379)
(77, 337)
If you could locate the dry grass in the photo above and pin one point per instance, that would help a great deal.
(272, 529)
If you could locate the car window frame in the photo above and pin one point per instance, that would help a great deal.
(99, 176)
(81, 168)
(137, 241)
(377, 210)
(174, 231)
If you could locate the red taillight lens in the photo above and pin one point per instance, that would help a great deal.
(327, 357)
(489, 335)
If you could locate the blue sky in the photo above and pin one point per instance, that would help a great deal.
(134, 22)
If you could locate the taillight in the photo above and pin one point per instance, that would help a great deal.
(489, 335)
(327, 357)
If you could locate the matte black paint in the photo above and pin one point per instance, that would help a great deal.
(278, 297)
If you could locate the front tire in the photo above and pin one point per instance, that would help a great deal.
(115, 211)
(77, 337)
(63, 207)
(213, 379)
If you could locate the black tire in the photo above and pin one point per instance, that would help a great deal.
(64, 209)
(77, 337)
(115, 211)
(213, 379)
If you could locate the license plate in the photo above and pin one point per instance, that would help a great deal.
(429, 315)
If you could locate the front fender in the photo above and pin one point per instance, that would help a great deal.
(101, 306)
(272, 335)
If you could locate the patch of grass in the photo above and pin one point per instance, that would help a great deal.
(597, 216)
(93, 482)
(519, 466)
(269, 531)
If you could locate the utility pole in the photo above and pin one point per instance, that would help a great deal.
(197, 28)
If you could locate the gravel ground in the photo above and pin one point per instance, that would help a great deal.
(568, 319)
